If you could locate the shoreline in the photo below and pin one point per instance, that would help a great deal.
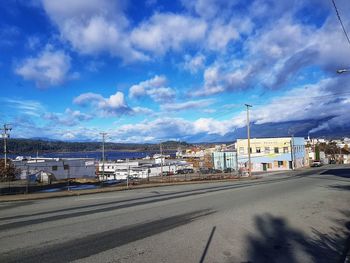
(106, 151)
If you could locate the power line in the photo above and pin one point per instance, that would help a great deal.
(103, 154)
(340, 20)
(7, 128)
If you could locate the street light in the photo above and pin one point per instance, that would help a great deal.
(340, 71)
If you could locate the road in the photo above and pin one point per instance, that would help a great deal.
(290, 217)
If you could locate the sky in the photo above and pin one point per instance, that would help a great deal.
(147, 71)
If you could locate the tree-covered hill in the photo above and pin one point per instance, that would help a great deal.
(17, 146)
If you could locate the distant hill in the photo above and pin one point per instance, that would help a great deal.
(18, 146)
(297, 128)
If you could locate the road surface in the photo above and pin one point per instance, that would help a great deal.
(291, 217)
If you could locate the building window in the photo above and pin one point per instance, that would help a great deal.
(66, 167)
(241, 150)
(285, 149)
(280, 163)
(276, 150)
(267, 149)
(258, 150)
(54, 168)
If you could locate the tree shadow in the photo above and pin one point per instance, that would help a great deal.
(343, 172)
(340, 187)
(275, 241)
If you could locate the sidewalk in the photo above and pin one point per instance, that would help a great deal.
(37, 196)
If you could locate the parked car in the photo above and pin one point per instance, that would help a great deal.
(316, 164)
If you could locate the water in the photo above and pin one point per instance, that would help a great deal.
(109, 155)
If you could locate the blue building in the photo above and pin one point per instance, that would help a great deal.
(224, 160)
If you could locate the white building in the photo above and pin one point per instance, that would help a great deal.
(60, 168)
(140, 168)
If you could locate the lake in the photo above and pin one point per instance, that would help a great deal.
(109, 155)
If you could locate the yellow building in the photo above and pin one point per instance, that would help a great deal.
(272, 153)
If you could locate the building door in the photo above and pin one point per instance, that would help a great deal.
(291, 165)
(264, 166)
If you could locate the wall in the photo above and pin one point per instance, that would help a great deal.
(268, 158)
(60, 168)
(224, 160)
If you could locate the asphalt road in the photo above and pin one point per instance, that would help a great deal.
(291, 217)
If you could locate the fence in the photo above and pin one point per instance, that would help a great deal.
(31, 186)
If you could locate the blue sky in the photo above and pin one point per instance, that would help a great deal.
(145, 71)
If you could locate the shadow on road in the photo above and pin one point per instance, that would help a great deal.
(338, 172)
(83, 247)
(207, 245)
(340, 187)
(275, 241)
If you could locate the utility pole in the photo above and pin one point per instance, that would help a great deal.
(103, 154)
(5, 134)
(128, 174)
(248, 135)
(292, 151)
(161, 159)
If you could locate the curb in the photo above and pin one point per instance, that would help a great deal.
(39, 196)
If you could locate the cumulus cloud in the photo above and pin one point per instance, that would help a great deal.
(102, 26)
(94, 26)
(278, 49)
(156, 88)
(49, 68)
(114, 105)
(165, 128)
(219, 78)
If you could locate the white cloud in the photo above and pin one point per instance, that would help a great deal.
(195, 63)
(209, 9)
(193, 104)
(102, 26)
(27, 107)
(168, 31)
(275, 53)
(165, 128)
(320, 103)
(49, 68)
(114, 105)
(68, 118)
(219, 78)
(94, 26)
(220, 34)
(156, 88)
